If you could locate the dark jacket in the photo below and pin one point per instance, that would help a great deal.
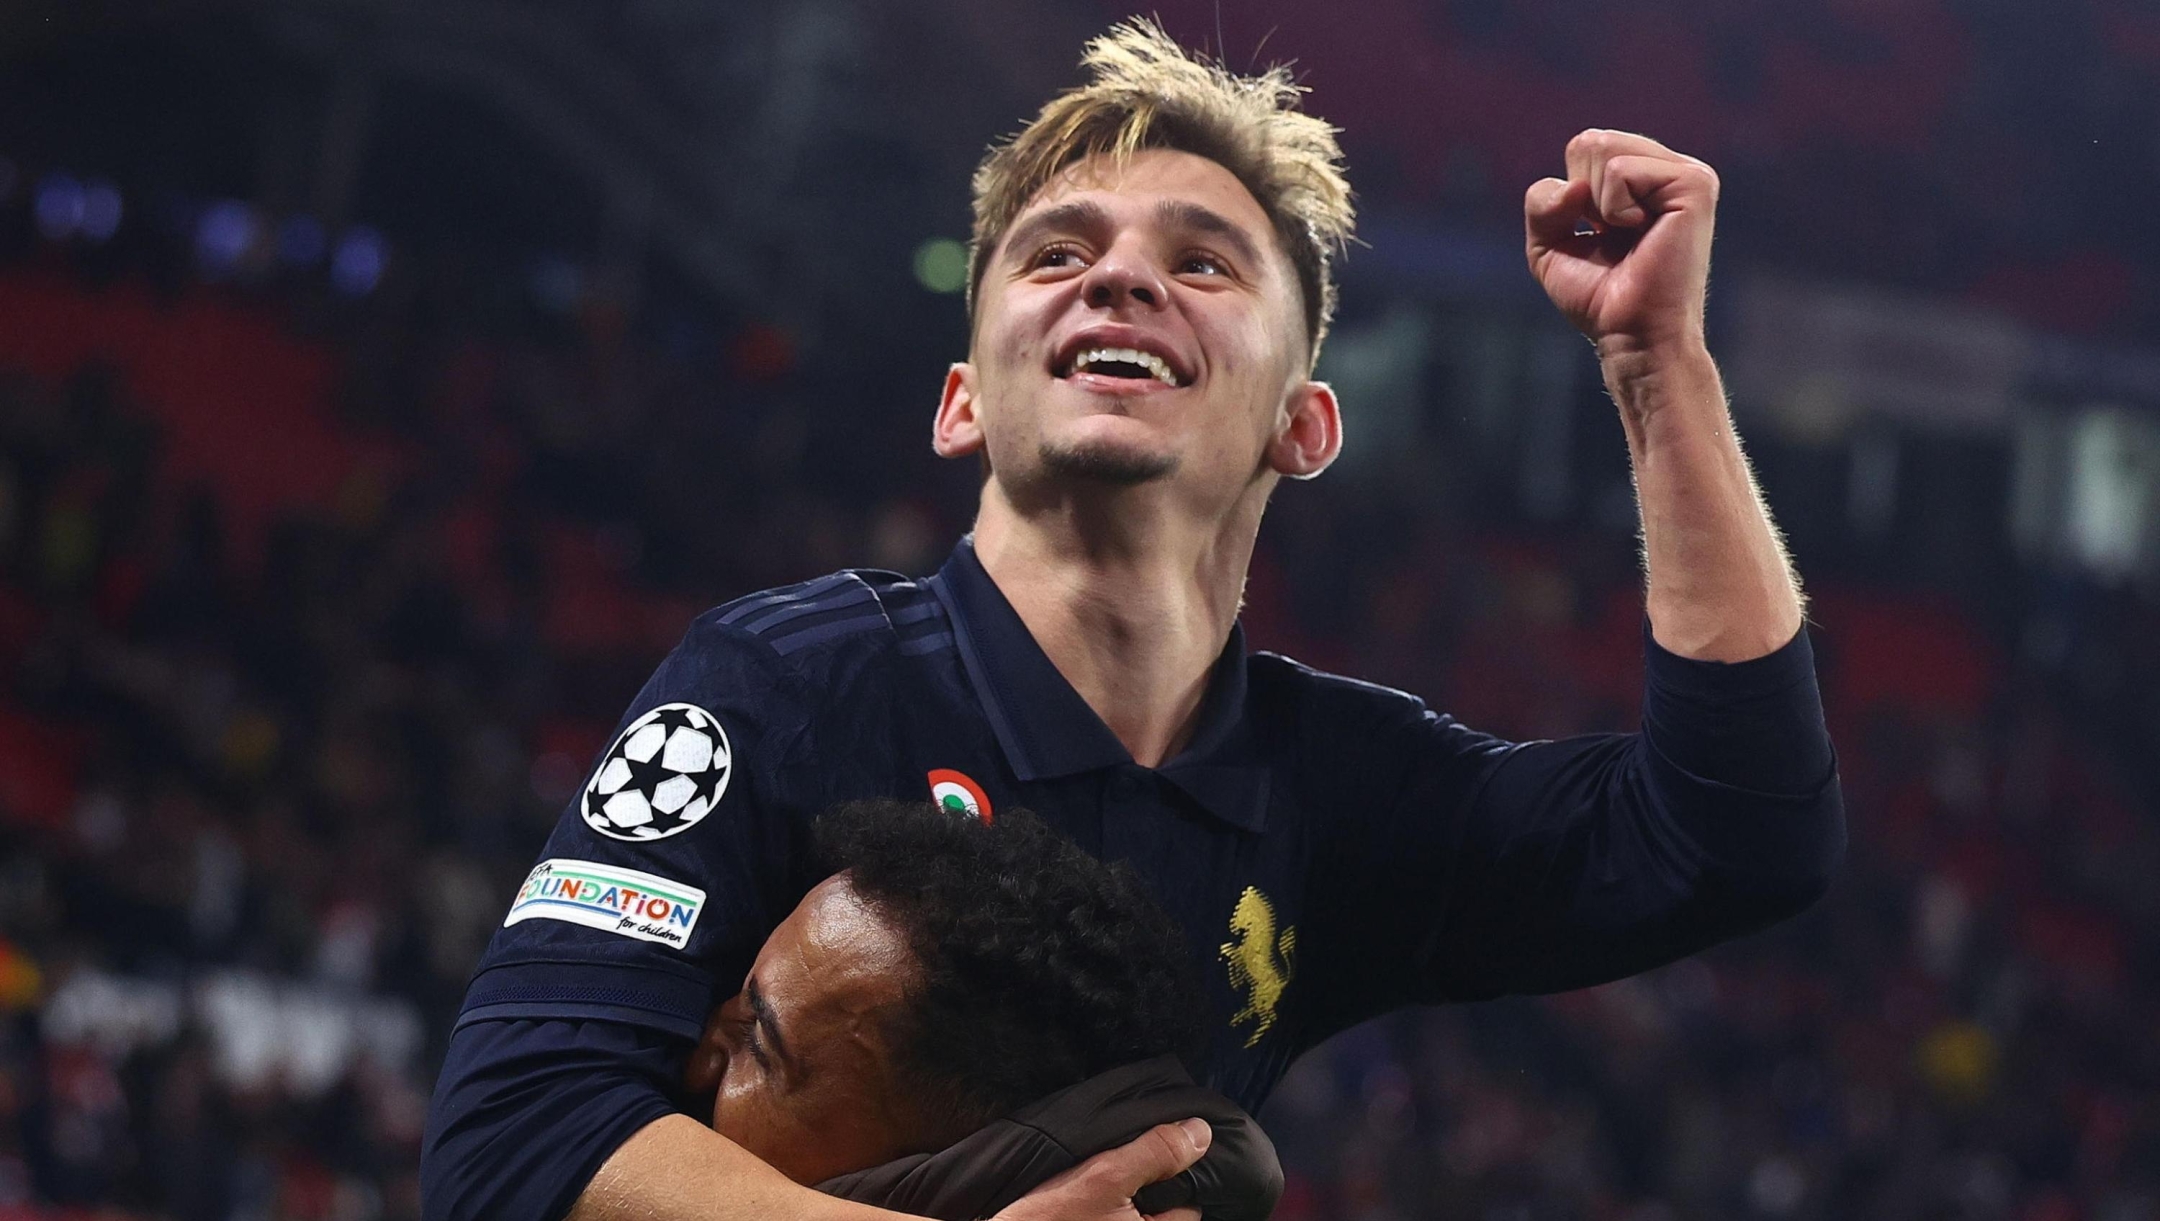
(1237, 1180)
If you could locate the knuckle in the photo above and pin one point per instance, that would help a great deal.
(1103, 1178)
(1164, 1142)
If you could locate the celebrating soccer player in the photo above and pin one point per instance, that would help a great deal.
(1152, 279)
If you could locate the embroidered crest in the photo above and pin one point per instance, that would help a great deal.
(1260, 962)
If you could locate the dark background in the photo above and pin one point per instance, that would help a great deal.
(384, 385)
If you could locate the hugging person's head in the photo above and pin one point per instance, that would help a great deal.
(947, 973)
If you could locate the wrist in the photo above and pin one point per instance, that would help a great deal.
(1646, 378)
(1631, 358)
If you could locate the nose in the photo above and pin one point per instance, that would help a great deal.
(1121, 276)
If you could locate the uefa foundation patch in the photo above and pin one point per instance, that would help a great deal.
(611, 899)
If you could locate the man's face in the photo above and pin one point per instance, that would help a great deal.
(799, 1057)
(1170, 257)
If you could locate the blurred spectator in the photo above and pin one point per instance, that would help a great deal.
(314, 610)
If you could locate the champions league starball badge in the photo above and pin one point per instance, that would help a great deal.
(662, 777)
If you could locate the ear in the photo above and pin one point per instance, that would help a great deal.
(707, 1062)
(1311, 432)
(957, 431)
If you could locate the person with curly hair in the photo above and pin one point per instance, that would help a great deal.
(949, 974)
(1152, 279)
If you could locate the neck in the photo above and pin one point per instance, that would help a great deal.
(1131, 600)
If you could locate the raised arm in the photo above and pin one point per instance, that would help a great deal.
(1622, 246)
(1489, 867)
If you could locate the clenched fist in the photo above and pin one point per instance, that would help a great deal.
(1622, 244)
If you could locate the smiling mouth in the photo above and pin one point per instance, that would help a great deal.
(1128, 364)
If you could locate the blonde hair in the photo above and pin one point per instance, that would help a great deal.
(1147, 92)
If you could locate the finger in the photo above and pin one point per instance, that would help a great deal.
(1590, 156)
(1154, 1155)
(1633, 189)
(1611, 194)
(1545, 197)
(1554, 210)
(1602, 144)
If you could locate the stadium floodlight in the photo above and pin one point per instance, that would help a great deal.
(358, 264)
(58, 207)
(941, 265)
(223, 234)
(101, 211)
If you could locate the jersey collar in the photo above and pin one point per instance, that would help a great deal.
(1048, 731)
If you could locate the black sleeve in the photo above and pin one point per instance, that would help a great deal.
(1472, 868)
(526, 1111)
(646, 923)
(610, 955)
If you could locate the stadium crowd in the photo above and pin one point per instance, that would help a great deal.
(280, 741)
(314, 609)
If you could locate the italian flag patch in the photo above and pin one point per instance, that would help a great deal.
(955, 793)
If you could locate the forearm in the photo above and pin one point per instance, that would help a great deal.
(677, 1168)
(541, 1118)
(1721, 587)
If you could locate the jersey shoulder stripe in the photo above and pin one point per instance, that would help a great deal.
(842, 606)
(918, 619)
(759, 613)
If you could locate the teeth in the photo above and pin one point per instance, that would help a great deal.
(1148, 360)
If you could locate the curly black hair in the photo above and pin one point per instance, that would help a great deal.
(1040, 965)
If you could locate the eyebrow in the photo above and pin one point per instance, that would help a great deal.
(1191, 217)
(1078, 216)
(763, 1014)
(1082, 215)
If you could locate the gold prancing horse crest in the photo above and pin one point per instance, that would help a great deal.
(1260, 962)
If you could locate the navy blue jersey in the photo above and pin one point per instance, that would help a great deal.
(1332, 848)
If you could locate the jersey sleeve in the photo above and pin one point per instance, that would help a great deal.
(1458, 866)
(526, 1111)
(679, 853)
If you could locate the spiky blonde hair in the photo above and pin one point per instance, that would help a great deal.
(1146, 91)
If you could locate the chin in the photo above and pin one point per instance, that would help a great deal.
(1107, 463)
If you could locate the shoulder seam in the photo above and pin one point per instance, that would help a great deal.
(764, 614)
(1330, 678)
(836, 607)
